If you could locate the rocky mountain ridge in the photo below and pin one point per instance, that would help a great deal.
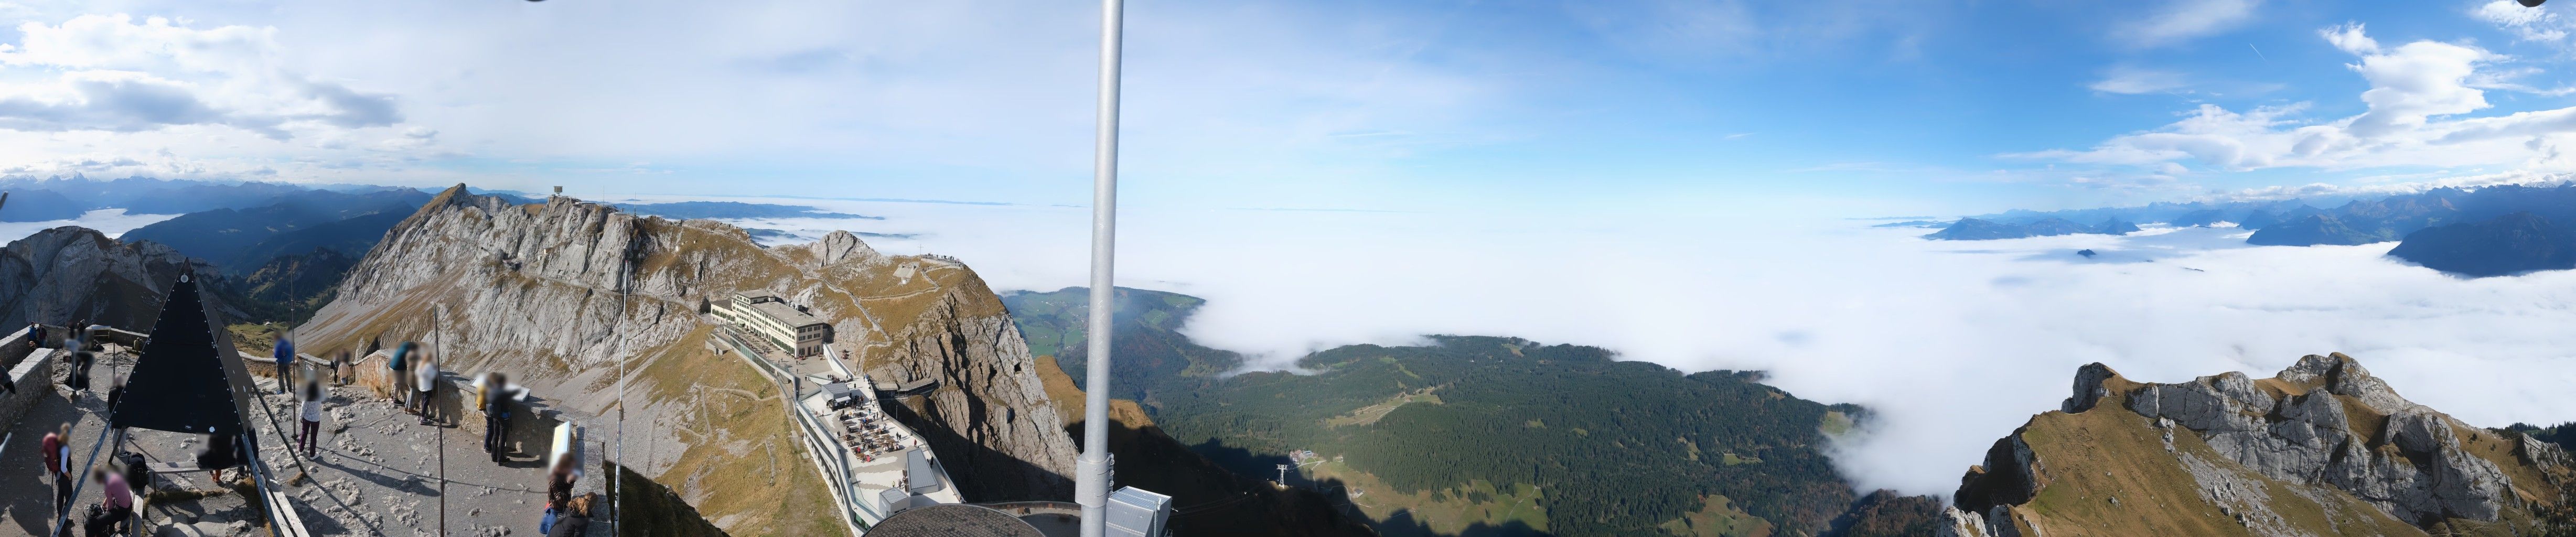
(562, 293)
(67, 273)
(2323, 448)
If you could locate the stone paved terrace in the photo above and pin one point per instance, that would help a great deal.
(380, 472)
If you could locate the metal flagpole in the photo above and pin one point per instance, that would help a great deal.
(1091, 488)
(618, 452)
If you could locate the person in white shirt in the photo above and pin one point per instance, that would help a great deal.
(425, 382)
(313, 395)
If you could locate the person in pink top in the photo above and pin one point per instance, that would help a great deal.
(116, 504)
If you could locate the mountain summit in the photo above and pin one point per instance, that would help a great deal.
(566, 294)
(2323, 448)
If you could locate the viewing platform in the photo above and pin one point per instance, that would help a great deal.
(377, 470)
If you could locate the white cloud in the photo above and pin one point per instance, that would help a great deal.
(2526, 23)
(2420, 111)
(2181, 20)
(1956, 343)
(112, 73)
(2415, 82)
(2132, 81)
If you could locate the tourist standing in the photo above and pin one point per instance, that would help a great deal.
(285, 355)
(490, 394)
(340, 368)
(58, 452)
(79, 363)
(312, 415)
(426, 383)
(396, 371)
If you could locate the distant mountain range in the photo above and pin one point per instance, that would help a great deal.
(39, 200)
(732, 209)
(241, 227)
(241, 240)
(1972, 229)
(2486, 231)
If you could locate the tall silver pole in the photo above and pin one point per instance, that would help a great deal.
(1091, 488)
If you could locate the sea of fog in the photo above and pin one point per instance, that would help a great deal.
(113, 222)
(1953, 343)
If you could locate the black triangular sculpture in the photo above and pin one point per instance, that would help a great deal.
(189, 379)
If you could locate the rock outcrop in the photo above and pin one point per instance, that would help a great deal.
(2323, 448)
(561, 292)
(67, 273)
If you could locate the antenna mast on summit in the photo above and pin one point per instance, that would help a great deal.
(1091, 472)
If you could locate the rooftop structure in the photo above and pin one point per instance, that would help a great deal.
(1135, 512)
(771, 318)
(953, 520)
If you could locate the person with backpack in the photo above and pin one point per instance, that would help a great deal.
(397, 372)
(57, 446)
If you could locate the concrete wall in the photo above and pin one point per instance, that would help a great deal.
(14, 346)
(35, 378)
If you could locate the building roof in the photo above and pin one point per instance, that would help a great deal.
(952, 520)
(785, 314)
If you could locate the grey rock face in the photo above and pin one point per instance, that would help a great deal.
(1010, 411)
(841, 246)
(2413, 468)
(537, 289)
(62, 274)
(1957, 523)
(2088, 387)
(2238, 495)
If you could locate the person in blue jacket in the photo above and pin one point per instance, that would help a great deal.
(285, 362)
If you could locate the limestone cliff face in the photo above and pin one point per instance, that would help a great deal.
(965, 343)
(67, 273)
(536, 289)
(2323, 448)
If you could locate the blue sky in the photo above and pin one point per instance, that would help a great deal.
(1839, 108)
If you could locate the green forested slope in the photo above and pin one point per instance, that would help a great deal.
(1614, 448)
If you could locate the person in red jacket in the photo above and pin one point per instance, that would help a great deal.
(58, 452)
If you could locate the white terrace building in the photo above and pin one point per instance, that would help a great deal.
(786, 326)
